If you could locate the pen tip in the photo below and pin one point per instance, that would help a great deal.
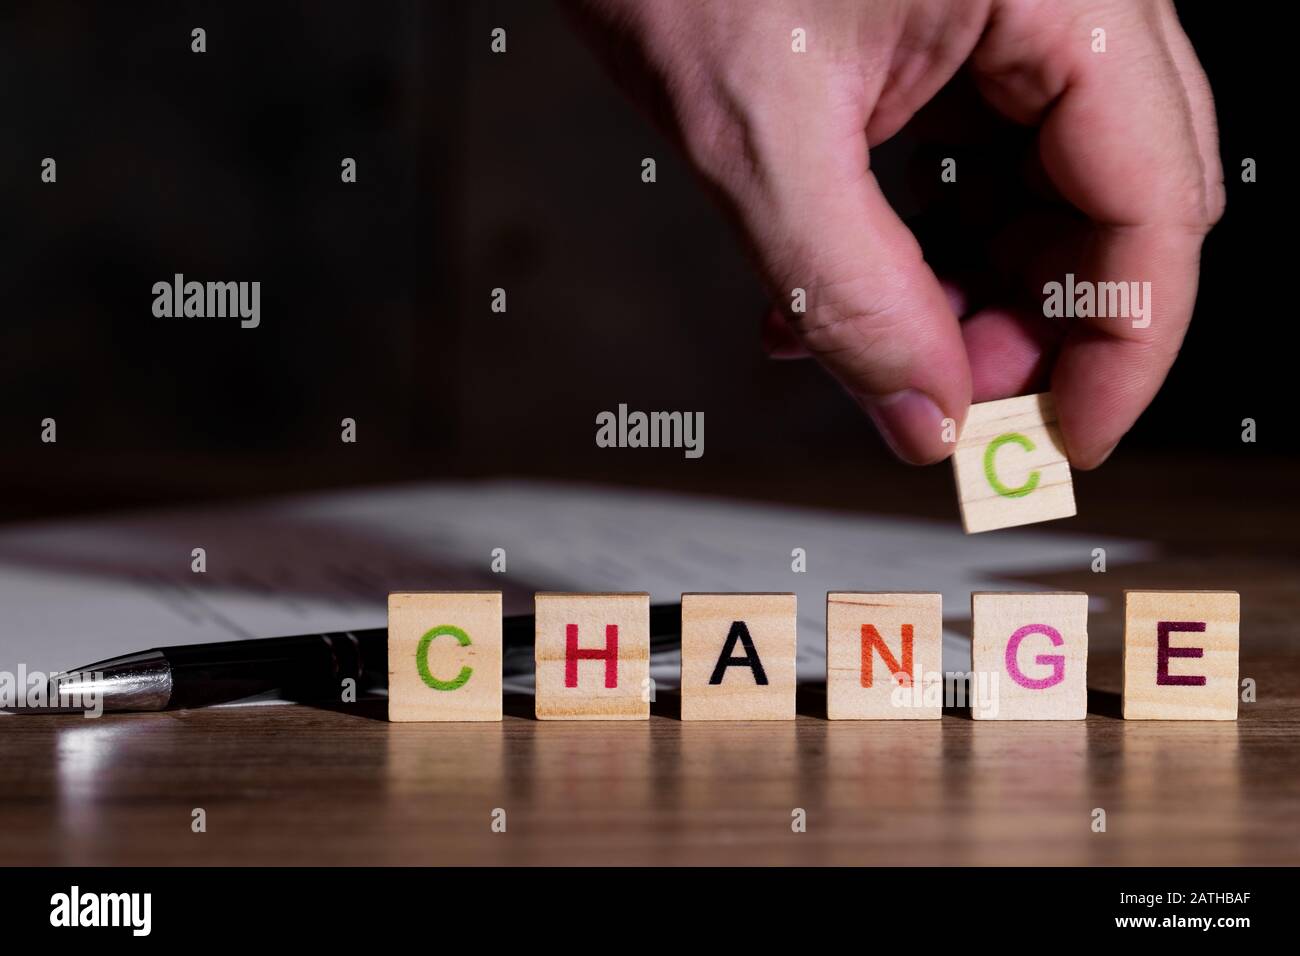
(136, 682)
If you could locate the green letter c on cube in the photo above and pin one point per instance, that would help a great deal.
(422, 658)
(1010, 438)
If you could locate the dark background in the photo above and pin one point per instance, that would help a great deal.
(475, 170)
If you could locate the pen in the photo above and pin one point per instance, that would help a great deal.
(303, 667)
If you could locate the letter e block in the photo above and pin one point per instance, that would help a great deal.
(884, 656)
(738, 656)
(593, 656)
(444, 655)
(1010, 465)
(1029, 656)
(1181, 655)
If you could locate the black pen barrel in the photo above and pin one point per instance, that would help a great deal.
(315, 666)
(305, 667)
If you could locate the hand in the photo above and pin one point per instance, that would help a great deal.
(1126, 140)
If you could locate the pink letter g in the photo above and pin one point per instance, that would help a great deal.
(1056, 661)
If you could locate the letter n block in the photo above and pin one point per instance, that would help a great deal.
(1029, 656)
(444, 655)
(593, 656)
(884, 655)
(1180, 655)
(738, 656)
(1010, 465)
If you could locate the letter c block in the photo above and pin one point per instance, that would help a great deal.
(444, 655)
(1010, 465)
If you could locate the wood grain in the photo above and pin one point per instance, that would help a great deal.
(296, 785)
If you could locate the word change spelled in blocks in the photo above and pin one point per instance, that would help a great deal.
(1029, 656)
(738, 656)
(884, 655)
(1180, 655)
(1010, 465)
(593, 656)
(444, 655)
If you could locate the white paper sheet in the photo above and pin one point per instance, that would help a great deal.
(76, 591)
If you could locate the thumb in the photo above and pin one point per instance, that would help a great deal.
(875, 314)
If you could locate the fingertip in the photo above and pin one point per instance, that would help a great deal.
(1100, 388)
(1091, 458)
(914, 426)
(1091, 425)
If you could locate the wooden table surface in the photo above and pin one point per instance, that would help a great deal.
(294, 784)
(300, 785)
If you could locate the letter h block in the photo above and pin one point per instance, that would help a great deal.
(1010, 465)
(593, 656)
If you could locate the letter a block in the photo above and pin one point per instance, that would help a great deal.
(593, 656)
(1180, 655)
(1010, 465)
(444, 655)
(738, 656)
(884, 656)
(1029, 656)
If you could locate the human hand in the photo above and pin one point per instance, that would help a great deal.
(1126, 139)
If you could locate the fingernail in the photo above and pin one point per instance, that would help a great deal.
(911, 423)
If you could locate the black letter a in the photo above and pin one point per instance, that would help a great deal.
(750, 660)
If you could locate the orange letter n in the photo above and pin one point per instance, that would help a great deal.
(871, 639)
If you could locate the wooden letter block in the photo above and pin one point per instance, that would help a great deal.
(593, 656)
(1010, 465)
(1180, 655)
(1029, 656)
(738, 656)
(884, 656)
(444, 655)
